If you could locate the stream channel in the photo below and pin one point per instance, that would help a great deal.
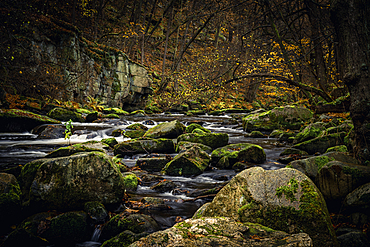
(20, 148)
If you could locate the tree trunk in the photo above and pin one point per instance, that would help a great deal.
(351, 19)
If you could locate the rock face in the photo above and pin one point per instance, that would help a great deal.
(14, 120)
(289, 117)
(221, 232)
(226, 157)
(69, 182)
(191, 162)
(283, 199)
(166, 130)
(87, 69)
(210, 139)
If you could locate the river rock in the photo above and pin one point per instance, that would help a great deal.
(166, 130)
(69, 182)
(283, 199)
(288, 117)
(125, 238)
(191, 162)
(90, 146)
(144, 145)
(49, 131)
(255, 134)
(136, 223)
(111, 142)
(65, 115)
(155, 164)
(337, 179)
(131, 181)
(213, 140)
(359, 198)
(221, 232)
(193, 126)
(340, 148)
(227, 156)
(354, 239)
(135, 130)
(290, 151)
(14, 120)
(164, 186)
(322, 143)
(183, 146)
(311, 131)
(91, 117)
(10, 200)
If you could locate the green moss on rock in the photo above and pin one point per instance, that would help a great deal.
(213, 140)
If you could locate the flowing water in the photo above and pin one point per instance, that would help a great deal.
(20, 148)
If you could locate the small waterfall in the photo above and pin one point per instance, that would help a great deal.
(96, 235)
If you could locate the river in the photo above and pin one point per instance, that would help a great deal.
(20, 148)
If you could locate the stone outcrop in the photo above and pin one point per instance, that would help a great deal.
(86, 69)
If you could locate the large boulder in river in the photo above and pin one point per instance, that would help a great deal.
(311, 131)
(65, 115)
(213, 140)
(191, 127)
(14, 120)
(166, 130)
(227, 156)
(144, 145)
(69, 182)
(288, 117)
(221, 231)
(283, 199)
(191, 162)
(321, 143)
(90, 146)
(10, 200)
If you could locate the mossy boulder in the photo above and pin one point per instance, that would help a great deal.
(69, 228)
(14, 120)
(154, 164)
(213, 140)
(255, 134)
(144, 145)
(134, 133)
(65, 115)
(137, 223)
(130, 181)
(69, 182)
(191, 162)
(340, 148)
(123, 239)
(10, 200)
(287, 117)
(97, 212)
(90, 146)
(111, 142)
(311, 166)
(227, 156)
(221, 231)
(135, 130)
(310, 132)
(283, 199)
(166, 130)
(337, 179)
(276, 133)
(117, 132)
(116, 111)
(193, 126)
(322, 143)
(183, 146)
(49, 131)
